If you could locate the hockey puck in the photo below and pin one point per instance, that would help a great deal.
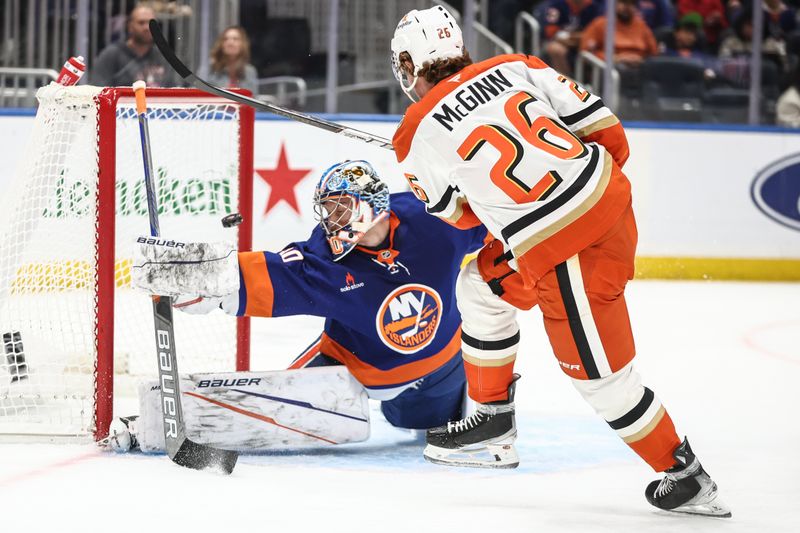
(229, 221)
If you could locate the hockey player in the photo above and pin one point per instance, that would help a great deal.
(510, 143)
(378, 268)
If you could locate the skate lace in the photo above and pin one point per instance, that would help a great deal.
(666, 485)
(465, 424)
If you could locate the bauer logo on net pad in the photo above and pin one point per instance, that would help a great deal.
(408, 318)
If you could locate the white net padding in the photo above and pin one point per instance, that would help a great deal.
(49, 247)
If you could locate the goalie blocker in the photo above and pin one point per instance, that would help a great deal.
(254, 411)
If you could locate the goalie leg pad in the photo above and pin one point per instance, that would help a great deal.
(259, 411)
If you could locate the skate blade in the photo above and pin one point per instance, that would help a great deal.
(489, 456)
(707, 504)
(715, 508)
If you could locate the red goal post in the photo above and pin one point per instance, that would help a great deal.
(71, 324)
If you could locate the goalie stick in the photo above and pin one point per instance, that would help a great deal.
(184, 72)
(180, 449)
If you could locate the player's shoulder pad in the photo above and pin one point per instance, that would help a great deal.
(411, 212)
(409, 124)
(314, 249)
(405, 202)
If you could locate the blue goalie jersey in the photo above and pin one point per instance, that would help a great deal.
(390, 311)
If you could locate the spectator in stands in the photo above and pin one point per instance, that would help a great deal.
(788, 106)
(732, 9)
(713, 14)
(123, 62)
(562, 27)
(686, 39)
(740, 43)
(658, 14)
(736, 50)
(781, 19)
(230, 61)
(633, 39)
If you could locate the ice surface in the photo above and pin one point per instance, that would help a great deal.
(723, 357)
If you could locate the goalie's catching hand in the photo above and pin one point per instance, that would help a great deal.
(200, 277)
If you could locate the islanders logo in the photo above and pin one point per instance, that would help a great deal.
(409, 317)
(776, 191)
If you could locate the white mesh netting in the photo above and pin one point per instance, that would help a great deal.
(48, 251)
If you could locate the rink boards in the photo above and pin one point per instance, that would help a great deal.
(711, 202)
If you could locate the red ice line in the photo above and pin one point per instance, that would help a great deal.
(748, 339)
(46, 469)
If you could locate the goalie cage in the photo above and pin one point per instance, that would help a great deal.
(71, 324)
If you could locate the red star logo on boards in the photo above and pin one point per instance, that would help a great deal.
(282, 180)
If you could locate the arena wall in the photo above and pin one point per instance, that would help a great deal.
(711, 202)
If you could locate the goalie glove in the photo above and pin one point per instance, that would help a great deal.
(172, 268)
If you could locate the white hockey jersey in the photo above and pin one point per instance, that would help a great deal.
(512, 144)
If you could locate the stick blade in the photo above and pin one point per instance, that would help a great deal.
(167, 51)
(200, 457)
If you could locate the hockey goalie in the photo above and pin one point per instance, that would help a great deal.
(392, 329)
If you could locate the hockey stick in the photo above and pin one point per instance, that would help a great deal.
(179, 448)
(188, 76)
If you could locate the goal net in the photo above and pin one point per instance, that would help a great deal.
(72, 328)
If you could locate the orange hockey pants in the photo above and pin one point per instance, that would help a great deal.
(586, 319)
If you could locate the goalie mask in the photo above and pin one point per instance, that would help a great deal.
(349, 200)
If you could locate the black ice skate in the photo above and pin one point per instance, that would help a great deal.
(484, 439)
(687, 488)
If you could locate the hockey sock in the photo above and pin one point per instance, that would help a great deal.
(656, 442)
(489, 366)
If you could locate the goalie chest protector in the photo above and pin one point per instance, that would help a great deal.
(390, 311)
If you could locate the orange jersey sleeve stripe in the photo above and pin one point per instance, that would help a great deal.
(416, 112)
(463, 217)
(612, 137)
(257, 283)
(368, 375)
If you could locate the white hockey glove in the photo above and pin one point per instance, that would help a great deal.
(172, 268)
